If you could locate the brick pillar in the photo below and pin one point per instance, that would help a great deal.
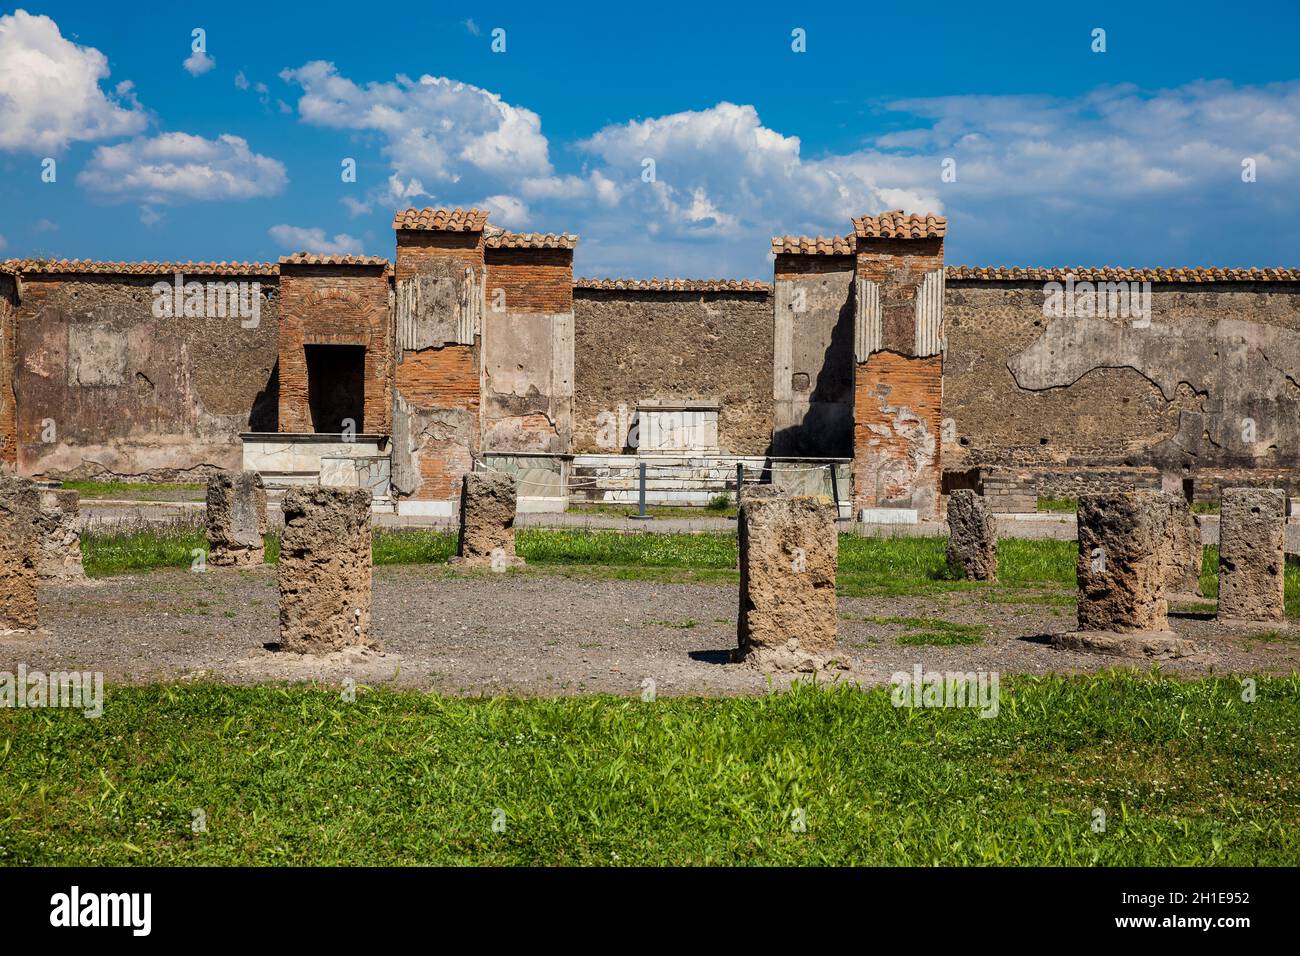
(898, 357)
(438, 313)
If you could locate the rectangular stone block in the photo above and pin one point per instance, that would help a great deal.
(324, 570)
(60, 537)
(236, 519)
(20, 554)
(972, 536)
(1252, 538)
(788, 557)
(487, 521)
(1123, 562)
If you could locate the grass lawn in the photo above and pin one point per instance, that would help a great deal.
(1030, 571)
(1185, 772)
(135, 490)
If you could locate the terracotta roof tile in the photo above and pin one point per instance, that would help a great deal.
(897, 225)
(813, 245)
(313, 259)
(91, 267)
(674, 285)
(503, 239)
(441, 220)
(1120, 274)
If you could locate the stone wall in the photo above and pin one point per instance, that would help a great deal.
(120, 392)
(631, 345)
(1207, 391)
(8, 404)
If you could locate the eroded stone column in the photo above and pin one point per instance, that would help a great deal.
(1252, 543)
(236, 519)
(788, 557)
(324, 570)
(1185, 551)
(20, 554)
(487, 521)
(972, 536)
(1123, 563)
(60, 538)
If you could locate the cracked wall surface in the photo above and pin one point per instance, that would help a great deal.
(633, 345)
(8, 403)
(1208, 390)
(106, 389)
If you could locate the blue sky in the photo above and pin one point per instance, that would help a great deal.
(1062, 155)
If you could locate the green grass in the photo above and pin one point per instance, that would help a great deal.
(129, 489)
(1185, 772)
(1058, 505)
(933, 631)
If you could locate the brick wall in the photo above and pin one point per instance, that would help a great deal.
(438, 388)
(897, 424)
(335, 305)
(530, 280)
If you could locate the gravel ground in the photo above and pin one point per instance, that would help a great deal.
(538, 633)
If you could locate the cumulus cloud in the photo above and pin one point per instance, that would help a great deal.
(445, 137)
(49, 89)
(303, 239)
(198, 63)
(175, 167)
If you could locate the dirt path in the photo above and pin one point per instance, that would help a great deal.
(536, 633)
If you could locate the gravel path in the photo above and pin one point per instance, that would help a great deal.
(537, 633)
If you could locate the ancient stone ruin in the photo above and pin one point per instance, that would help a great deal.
(1123, 563)
(1185, 551)
(972, 536)
(487, 522)
(324, 570)
(788, 557)
(236, 519)
(20, 554)
(1252, 538)
(60, 539)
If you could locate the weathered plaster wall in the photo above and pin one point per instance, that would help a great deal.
(528, 351)
(813, 360)
(335, 305)
(8, 405)
(633, 345)
(1209, 390)
(436, 413)
(133, 395)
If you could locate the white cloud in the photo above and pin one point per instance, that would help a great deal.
(453, 136)
(3, 244)
(472, 27)
(506, 211)
(241, 81)
(150, 216)
(302, 239)
(49, 89)
(179, 166)
(198, 63)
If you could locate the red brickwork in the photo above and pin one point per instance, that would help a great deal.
(335, 305)
(530, 280)
(898, 265)
(897, 420)
(8, 400)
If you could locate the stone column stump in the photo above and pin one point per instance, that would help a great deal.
(972, 536)
(788, 556)
(20, 554)
(1185, 551)
(236, 519)
(1123, 563)
(324, 570)
(60, 537)
(1252, 543)
(487, 522)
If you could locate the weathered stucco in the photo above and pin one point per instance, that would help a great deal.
(107, 389)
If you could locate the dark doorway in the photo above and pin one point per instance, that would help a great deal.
(336, 386)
